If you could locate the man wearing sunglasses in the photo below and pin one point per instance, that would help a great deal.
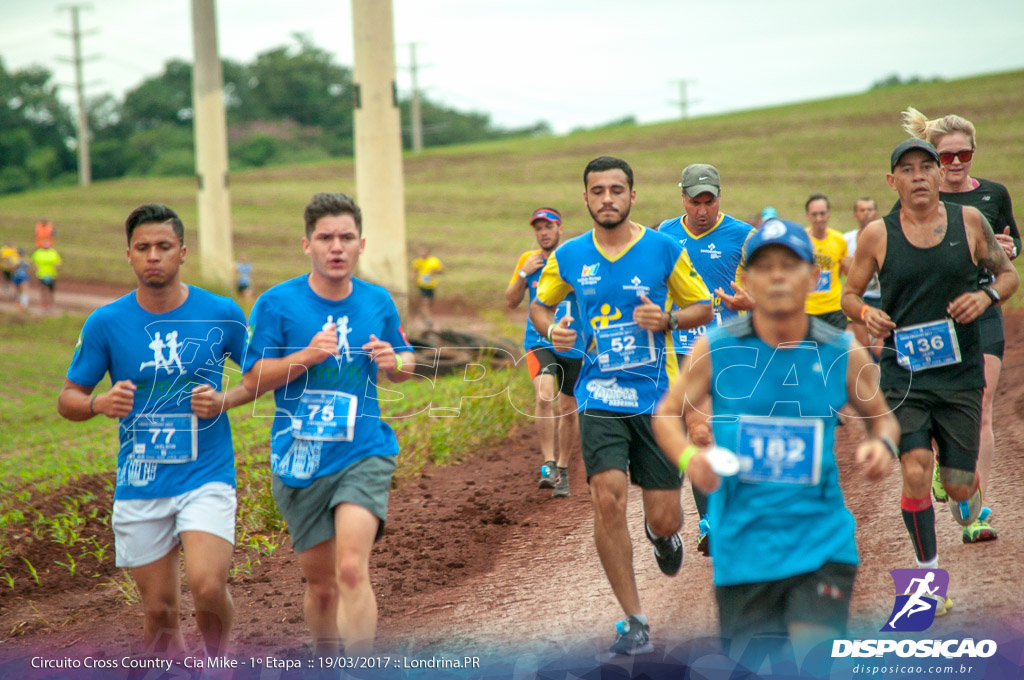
(926, 256)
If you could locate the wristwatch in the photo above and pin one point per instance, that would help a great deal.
(673, 322)
(523, 274)
(991, 293)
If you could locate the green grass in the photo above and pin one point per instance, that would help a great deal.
(470, 203)
(43, 452)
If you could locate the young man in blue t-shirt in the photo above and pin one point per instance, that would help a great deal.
(318, 341)
(623, 276)
(164, 346)
(777, 379)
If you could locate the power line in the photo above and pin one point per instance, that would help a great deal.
(417, 119)
(684, 101)
(84, 162)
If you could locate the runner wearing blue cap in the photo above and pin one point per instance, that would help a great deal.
(926, 255)
(544, 362)
(783, 472)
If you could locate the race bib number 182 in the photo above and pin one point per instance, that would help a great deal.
(780, 450)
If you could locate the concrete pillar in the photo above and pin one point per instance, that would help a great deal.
(216, 260)
(380, 188)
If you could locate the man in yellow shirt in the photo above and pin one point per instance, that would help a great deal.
(46, 261)
(830, 252)
(8, 259)
(427, 269)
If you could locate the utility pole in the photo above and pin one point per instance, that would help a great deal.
(417, 120)
(216, 261)
(378, 149)
(84, 162)
(684, 101)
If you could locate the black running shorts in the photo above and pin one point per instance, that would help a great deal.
(624, 441)
(544, 361)
(836, 318)
(990, 329)
(753, 614)
(952, 418)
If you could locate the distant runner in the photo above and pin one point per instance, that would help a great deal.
(427, 268)
(544, 362)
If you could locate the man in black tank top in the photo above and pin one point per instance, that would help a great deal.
(926, 256)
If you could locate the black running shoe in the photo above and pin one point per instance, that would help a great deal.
(632, 638)
(668, 551)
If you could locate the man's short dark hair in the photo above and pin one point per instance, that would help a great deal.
(154, 213)
(323, 204)
(603, 163)
(817, 197)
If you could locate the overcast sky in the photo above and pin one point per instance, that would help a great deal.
(569, 62)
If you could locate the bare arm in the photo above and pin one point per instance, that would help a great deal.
(269, 374)
(867, 261)
(693, 385)
(77, 402)
(865, 397)
(514, 292)
(987, 252)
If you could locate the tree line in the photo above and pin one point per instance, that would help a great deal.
(291, 104)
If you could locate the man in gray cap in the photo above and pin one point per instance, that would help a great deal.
(926, 256)
(714, 241)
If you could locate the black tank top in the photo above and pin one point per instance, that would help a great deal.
(917, 286)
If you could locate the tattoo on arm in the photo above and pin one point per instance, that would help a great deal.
(995, 259)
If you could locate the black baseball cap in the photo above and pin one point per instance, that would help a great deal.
(909, 145)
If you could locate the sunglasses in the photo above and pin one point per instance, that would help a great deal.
(965, 156)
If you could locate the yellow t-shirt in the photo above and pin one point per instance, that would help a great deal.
(425, 268)
(8, 258)
(46, 260)
(828, 253)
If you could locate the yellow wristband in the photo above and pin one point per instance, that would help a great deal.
(688, 453)
(551, 328)
(398, 360)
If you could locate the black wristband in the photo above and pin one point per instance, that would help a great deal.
(91, 402)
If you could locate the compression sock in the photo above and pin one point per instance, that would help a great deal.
(919, 516)
(701, 501)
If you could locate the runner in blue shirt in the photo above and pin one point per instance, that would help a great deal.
(714, 242)
(623, 275)
(164, 347)
(544, 362)
(319, 341)
(771, 581)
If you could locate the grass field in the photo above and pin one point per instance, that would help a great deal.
(470, 203)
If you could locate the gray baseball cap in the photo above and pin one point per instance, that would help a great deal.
(700, 177)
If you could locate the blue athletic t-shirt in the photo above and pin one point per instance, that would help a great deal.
(328, 417)
(165, 355)
(716, 255)
(531, 338)
(792, 524)
(624, 369)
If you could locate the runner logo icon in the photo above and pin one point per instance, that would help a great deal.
(918, 592)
